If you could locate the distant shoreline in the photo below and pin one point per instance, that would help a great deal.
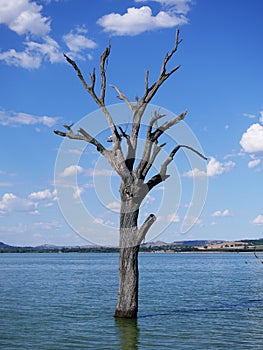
(195, 246)
(21, 250)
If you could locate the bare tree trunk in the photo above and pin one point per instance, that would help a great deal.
(127, 304)
(133, 187)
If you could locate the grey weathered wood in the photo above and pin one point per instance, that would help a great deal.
(133, 188)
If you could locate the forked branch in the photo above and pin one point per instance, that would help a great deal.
(84, 136)
(162, 176)
(167, 125)
(152, 139)
(100, 100)
(151, 91)
(122, 97)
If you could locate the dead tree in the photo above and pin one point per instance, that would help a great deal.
(134, 183)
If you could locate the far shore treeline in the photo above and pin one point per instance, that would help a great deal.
(150, 247)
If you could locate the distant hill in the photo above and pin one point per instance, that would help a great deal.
(5, 246)
(158, 246)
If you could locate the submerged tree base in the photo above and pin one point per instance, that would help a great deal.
(125, 314)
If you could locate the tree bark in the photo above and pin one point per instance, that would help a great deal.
(127, 304)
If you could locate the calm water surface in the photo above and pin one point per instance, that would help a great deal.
(187, 301)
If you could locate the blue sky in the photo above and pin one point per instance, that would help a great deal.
(220, 83)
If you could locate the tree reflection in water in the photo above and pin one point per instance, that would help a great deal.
(128, 332)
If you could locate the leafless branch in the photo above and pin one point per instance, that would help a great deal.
(149, 164)
(151, 91)
(91, 89)
(84, 136)
(162, 176)
(103, 60)
(145, 227)
(167, 125)
(147, 80)
(151, 139)
(148, 144)
(122, 97)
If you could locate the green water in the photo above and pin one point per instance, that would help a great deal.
(187, 301)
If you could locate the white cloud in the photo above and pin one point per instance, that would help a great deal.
(77, 191)
(22, 59)
(45, 194)
(249, 115)
(34, 54)
(78, 42)
(258, 220)
(49, 49)
(100, 172)
(11, 203)
(24, 17)
(174, 217)
(98, 221)
(40, 225)
(20, 228)
(178, 6)
(114, 206)
(138, 20)
(15, 119)
(222, 213)
(214, 168)
(195, 173)
(72, 170)
(252, 139)
(254, 163)
(261, 117)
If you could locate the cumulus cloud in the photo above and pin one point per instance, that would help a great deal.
(178, 6)
(78, 42)
(214, 168)
(11, 203)
(72, 170)
(114, 206)
(24, 17)
(41, 195)
(258, 220)
(138, 20)
(34, 54)
(254, 163)
(195, 173)
(16, 119)
(22, 59)
(222, 213)
(252, 139)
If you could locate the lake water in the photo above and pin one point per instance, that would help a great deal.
(187, 301)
